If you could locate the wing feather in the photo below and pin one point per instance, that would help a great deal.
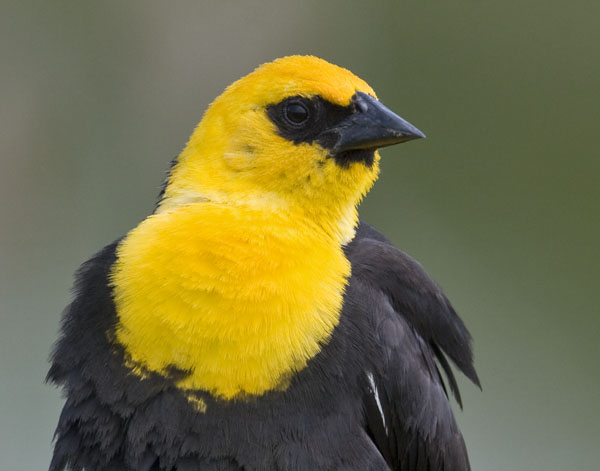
(407, 410)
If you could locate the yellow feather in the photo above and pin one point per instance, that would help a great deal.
(239, 276)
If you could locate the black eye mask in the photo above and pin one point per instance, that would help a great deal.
(352, 133)
(319, 116)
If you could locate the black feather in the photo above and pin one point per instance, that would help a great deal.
(394, 325)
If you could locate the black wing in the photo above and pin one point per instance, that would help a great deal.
(102, 397)
(408, 413)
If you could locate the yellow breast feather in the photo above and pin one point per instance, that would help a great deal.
(238, 297)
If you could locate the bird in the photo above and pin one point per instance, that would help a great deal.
(252, 321)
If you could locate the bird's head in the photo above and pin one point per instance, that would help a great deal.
(296, 133)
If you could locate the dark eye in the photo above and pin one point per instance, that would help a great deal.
(296, 113)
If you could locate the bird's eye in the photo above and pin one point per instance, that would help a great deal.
(296, 113)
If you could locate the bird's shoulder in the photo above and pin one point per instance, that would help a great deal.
(101, 396)
(413, 329)
(412, 293)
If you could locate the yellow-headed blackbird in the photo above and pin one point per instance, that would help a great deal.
(251, 322)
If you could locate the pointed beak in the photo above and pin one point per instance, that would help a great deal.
(372, 126)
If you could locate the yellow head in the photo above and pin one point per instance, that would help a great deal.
(270, 140)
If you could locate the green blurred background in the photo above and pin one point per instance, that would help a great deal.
(500, 203)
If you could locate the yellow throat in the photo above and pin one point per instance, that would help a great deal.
(238, 278)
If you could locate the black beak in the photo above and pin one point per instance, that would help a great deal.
(371, 126)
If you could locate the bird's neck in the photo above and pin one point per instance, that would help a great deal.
(205, 173)
(239, 297)
(337, 221)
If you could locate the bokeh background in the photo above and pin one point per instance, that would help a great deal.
(500, 203)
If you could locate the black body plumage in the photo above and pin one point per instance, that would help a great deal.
(372, 399)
